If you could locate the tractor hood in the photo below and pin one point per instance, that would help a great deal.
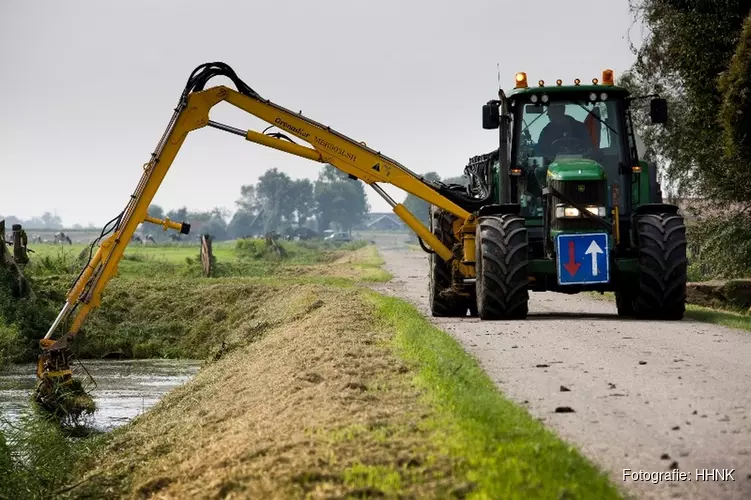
(575, 168)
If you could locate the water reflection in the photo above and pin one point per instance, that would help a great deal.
(124, 389)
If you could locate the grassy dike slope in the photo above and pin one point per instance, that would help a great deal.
(319, 387)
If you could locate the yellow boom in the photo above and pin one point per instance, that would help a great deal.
(192, 113)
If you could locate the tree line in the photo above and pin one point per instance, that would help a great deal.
(277, 203)
(697, 54)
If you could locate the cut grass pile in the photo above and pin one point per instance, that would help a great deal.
(313, 403)
(341, 392)
(65, 402)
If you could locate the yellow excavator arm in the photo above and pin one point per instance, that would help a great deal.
(192, 113)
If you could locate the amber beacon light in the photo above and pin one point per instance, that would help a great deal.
(607, 77)
(521, 80)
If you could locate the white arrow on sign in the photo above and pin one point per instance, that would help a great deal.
(593, 250)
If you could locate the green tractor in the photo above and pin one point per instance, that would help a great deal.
(564, 205)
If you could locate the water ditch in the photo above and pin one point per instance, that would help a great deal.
(124, 389)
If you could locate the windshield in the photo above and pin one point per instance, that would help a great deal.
(567, 128)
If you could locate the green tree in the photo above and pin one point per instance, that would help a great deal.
(179, 215)
(274, 194)
(156, 211)
(242, 224)
(248, 200)
(735, 111)
(302, 196)
(696, 55)
(420, 208)
(339, 200)
(209, 222)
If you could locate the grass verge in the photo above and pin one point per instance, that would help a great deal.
(703, 314)
(341, 392)
(507, 454)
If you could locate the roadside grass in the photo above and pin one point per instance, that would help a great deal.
(703, 314)
(338, 392)
(314, 386)
(507, 453)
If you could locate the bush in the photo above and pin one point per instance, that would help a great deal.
(23, 320)
(720, 247)
(37, 457)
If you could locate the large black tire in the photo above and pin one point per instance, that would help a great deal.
(502, 280)
(440, 272)
(624, 300)
(660, 292)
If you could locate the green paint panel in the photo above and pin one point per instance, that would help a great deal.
(627, 265)
(643, 181)
(575, 169)
(541, 266)
(610, 90)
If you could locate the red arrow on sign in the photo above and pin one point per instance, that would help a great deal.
(571, 266)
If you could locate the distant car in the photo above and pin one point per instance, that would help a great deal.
(338, 237)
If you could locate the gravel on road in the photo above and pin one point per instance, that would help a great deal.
(640, 395)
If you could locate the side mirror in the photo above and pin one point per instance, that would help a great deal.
(658, 110)
(490, 116)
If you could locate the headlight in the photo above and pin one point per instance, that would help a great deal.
(563, 212)
(533, 98)
(597, 211)
(592, 96)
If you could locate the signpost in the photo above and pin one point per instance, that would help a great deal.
(583, 258)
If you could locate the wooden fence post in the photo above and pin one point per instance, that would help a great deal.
(2, 242)
(19, 245)
(6, 260)
(207, 256)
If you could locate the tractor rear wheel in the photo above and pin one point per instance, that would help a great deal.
(661, 289)
(501, 254)
(443, 304)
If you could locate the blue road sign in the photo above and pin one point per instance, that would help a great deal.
(582, 258)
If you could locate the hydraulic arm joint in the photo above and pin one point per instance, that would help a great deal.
(182, 227)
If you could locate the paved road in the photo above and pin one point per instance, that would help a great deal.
(649, 396)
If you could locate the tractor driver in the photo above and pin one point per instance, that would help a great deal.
(562, 126)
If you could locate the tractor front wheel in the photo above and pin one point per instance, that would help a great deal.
(442, 302)
(661, 288)
(501, 267)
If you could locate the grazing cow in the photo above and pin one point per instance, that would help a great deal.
(61, 237)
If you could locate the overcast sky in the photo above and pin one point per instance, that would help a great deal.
(89, 86)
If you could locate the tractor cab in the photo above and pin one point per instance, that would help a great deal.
(571, 149)
(587, 213)
(573, 135)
